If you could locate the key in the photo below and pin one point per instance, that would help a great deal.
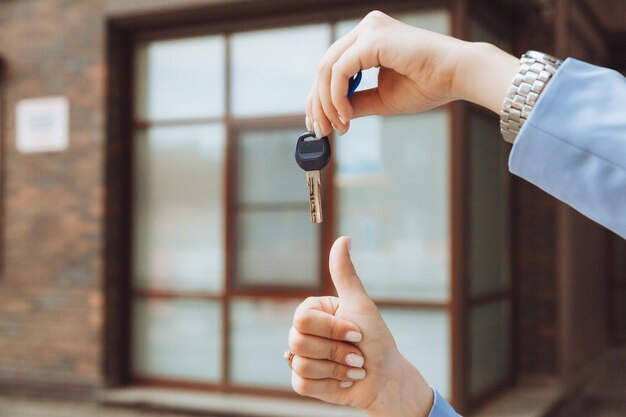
(312, 155)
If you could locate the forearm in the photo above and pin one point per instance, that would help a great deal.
(484, 73)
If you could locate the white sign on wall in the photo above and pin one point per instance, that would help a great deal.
(42, 124)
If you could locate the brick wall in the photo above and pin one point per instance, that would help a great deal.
(50, 288)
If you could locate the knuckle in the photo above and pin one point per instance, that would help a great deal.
(296, 342)
(338, 372)
(300, 385)
(336, 69)
(323, 67)
(375, 16)
(297, 365)
(304, 367)
(333, 329)
(301, 321)
(335, 352)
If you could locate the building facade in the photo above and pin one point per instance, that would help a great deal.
(169, 242)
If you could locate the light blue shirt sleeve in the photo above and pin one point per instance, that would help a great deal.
(441, 408)
(573, 145)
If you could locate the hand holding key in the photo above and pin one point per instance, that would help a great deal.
(312, 155)
(419, 70)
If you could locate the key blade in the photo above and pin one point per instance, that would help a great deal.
(314, 182)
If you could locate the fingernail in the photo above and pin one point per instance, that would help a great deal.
(349, 244)
(307, 122)
(356, 373)
(354, 360)
(354, 337)
(318, 131)
(345, 384)
(342, 119)
(338, 132)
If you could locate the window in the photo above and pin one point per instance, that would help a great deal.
(489, 286)
(223, 248)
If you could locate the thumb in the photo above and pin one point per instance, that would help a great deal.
(349, 287)
(367, 103)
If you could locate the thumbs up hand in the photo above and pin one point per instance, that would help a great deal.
(345, 354)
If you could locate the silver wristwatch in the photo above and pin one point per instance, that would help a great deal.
(535, 71)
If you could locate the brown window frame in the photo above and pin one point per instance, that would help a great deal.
(123, 35)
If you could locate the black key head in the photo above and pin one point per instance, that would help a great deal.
(312, 154)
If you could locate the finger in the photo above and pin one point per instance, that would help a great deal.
(361, 55)
(367, 103)
(324, 71)
(319, 323)
(327, 104)
(315, 347)
(308, 111)
(349, 288)
(321, 124)
(314, 388)
(327, 304)
(321, 369)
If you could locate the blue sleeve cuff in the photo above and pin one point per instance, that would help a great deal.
(573, 145)
(441, 408)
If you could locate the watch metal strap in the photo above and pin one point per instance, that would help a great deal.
(535, 71)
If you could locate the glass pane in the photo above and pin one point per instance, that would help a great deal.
(268, 172)
(177, 339)
(181, 79)
(434, 20)
(490, 346)
(392, 195)
(259, 329)
(277, 248)
(489, 220)
(422, 337)
(273, 70)
(178, 208)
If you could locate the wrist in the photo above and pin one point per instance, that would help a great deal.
(483, 75)
(405, 392)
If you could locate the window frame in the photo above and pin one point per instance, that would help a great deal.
(124, 34)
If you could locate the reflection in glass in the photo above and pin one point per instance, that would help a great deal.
(489, 235)
(272, 70)
(267, 172)
(181, 78)
(490, 344)
(258, 331)
(277, 248)
(393, 200)
(422, 337)
(177, 339)
(178, 208)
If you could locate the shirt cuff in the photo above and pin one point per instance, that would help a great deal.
(441, 408)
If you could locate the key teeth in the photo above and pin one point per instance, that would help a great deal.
(314, 184)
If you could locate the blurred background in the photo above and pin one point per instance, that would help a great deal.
(155, 229)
